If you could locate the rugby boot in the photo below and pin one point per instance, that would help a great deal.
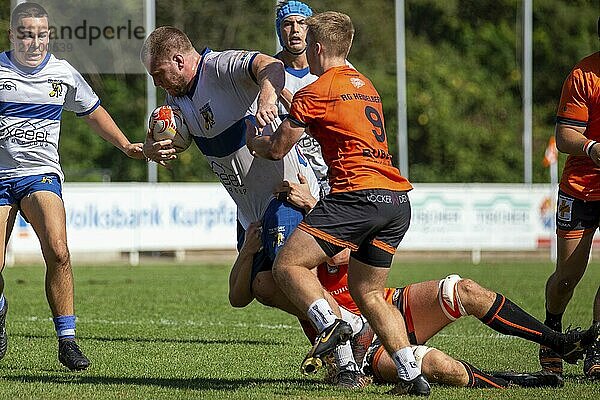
(339, 332)
(536, 379)
(360, 343)
(591, 363)
(348, 379)
(417, 386)
(577, 342)
(3, 335)
(71, 356)
(550, 360)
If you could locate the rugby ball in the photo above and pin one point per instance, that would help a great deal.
(166, 122)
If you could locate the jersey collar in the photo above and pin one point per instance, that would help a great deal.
(192, 90)
(14, 64)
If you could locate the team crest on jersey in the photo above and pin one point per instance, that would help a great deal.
(357, 82)
(332, 269)
(565, 206)
(209, 117)
(8, 85)
(57, 89)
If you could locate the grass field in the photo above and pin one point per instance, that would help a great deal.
(168, 332)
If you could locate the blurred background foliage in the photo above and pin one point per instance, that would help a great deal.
(464, 77)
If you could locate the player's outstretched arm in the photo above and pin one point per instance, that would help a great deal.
(270, 74)
(240, 293)
(571, 139)
(275, 146)
(103, 124)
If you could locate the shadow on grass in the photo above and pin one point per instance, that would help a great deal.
(223, 384)
(162, 340)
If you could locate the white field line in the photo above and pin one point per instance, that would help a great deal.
(167, 322)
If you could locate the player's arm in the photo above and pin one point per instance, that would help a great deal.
(103, 124)
(285, 98)
(277, 145)
(270, 75)
(570, 139)
(297, 194)
(240, 292)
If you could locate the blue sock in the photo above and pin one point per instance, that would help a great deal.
(65, 326)
(1, 301)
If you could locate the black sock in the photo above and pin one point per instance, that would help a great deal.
(479, 379)
(509, 319)
(554, 321)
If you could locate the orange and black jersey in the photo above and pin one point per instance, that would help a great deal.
(343, 112)
(580, 106)
(334, 279)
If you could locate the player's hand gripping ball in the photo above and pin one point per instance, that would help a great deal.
(166, 122)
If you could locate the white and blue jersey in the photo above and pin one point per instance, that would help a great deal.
(296, 79)
(31, 105)
(222, 97)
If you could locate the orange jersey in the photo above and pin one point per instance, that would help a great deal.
(335, 280)
(580, 106)
(342, 111)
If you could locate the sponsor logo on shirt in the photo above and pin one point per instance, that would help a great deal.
(393, 198)
(332, 269)
(230, 179)
(8, 85)
(27, 134)
(357, 82)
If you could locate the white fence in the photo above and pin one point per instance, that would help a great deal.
(147, 217)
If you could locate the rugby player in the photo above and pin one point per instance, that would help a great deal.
(36, 88)
(342, 111)
(578, 204)
(217, 91)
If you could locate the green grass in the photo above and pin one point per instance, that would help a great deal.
(168, 332)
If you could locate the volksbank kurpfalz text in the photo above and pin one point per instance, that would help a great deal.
(207, 218)
(203, 218)
(92, 217)
(91, 32)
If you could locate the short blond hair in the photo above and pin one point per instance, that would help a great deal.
(334, 30)
(162, 42)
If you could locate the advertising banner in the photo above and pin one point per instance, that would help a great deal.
(170, 217)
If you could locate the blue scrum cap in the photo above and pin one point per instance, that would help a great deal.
(290, 8)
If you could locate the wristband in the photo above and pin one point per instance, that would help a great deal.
(587, 147)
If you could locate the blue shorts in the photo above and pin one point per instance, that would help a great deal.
(14, 189)
(279, 221)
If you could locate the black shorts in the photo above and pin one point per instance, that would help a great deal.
(575, 217)
(371, 223)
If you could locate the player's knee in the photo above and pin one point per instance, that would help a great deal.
(279, 272)
(468, 289)
(237, 301)
(59, 256)
(450, 293)
(264, 289)
(567, 284)
(364, 298)
(441, 368)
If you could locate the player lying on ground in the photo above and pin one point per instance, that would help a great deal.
(427, 307)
